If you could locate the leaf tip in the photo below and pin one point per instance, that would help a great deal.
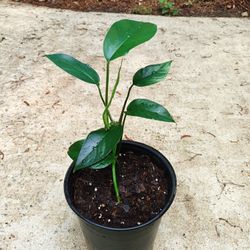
(172, 120)
(168, 63)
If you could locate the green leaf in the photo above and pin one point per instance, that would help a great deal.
(74, 149)
(75, 68)
(165, 11)
(169, 5)
(103, 163)
(175, 12)
(151, 74)
(148, 109)
(124, 35)
(97, 146)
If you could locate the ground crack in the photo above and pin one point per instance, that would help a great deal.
(2, 39)
(1, 155)
(231, 224)
(194, 156)
(223, 184)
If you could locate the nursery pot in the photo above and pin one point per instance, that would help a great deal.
(141, 237)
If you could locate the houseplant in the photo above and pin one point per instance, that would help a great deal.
(144, 182)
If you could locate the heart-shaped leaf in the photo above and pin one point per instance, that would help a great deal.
(97, 146)
(124, 35)
(151, 74)
(75, 68)
(148, 109)
(103, 163)
(74, 149)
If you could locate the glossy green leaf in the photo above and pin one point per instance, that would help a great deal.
(124, 35)
(75, 68)
(103, 163)
(74, 149)
(151, 74)
(148, 109)
(97, 146)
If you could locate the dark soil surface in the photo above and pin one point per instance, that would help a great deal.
(213, 8)
(143, 187)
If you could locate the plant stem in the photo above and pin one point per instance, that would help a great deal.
(125, 103)
(116, 188)
(103, 101)
(107, 84)
(100, 94)
(113, 91)
(124, 119)
(105, 115)
(116, 84)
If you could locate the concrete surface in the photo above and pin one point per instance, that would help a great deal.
(43, 110)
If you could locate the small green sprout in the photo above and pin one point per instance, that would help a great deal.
(167, 8)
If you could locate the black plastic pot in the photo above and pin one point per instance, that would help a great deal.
(140, 237)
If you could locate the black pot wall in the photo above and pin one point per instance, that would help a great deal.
(98, 238)
(140, 237)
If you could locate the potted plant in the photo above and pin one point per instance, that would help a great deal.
(119, 189)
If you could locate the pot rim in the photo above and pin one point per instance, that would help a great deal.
(172, 176)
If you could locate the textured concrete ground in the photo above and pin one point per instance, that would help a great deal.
(43, 110)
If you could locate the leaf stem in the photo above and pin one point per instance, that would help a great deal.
(103, 101)
(116, 84)
(113, 91)
(124, 119)
(116, 188)
(105, 114)
(107, 84)
(100, 94)
(125, 103)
